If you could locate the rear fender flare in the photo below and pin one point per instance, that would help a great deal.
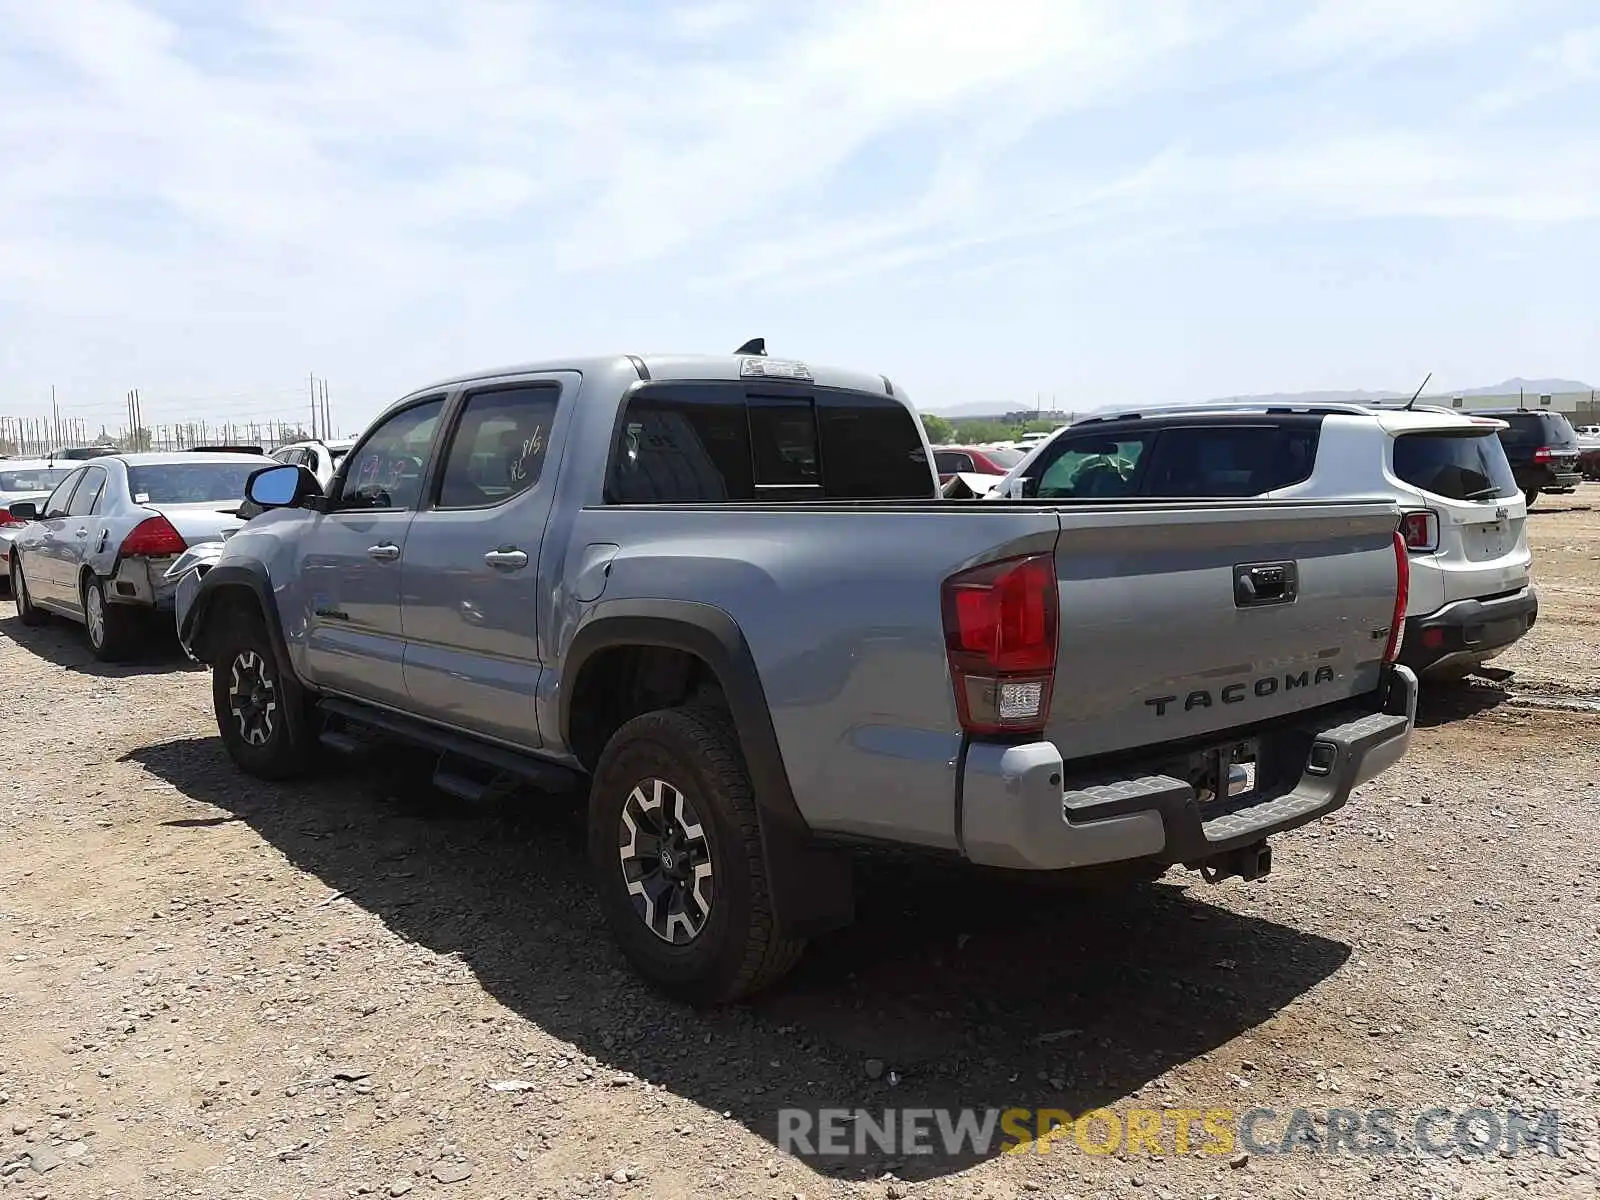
(810, 882)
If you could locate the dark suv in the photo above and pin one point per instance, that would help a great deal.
(1543, 450)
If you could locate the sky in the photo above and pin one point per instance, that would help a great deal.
(1100, 201)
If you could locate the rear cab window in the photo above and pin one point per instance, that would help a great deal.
(1455, 465)
(689, 443)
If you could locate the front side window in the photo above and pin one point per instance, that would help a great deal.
(386, 470)
(1091, 468)
(1470, 466)
(56, 506)
(88, 493)
(499, 446)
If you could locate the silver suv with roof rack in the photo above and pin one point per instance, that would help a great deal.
(1462, 510)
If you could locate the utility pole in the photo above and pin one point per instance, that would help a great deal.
(327, 417)
(55, 413)
(313, 379)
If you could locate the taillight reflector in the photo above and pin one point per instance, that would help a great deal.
(1000, 625)
(154, 537)
(1420, 530)
(1402, 597)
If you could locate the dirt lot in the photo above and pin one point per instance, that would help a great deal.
(214, 987)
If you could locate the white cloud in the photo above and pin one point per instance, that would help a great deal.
(278, 180)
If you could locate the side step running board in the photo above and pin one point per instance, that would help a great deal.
(545, 776)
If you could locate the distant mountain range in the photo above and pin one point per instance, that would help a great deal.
(1531, 387)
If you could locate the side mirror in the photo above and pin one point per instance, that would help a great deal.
(24, 510)
(281, 487)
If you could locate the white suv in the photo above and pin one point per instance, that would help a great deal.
(1463, 514)
(321, 458)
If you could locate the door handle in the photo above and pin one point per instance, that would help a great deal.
(83, 533)
(510, 559)
(384, 551)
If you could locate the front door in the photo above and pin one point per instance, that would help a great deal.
(470, 586)
(45, 546)
(353, 558)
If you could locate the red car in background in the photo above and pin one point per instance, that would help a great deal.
(951, 461)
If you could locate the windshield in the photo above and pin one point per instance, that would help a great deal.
(1455, 466)
(189, 483)
(33, 479)
(1005, 458)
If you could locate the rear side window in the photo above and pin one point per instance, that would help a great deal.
(1230, 460)
(1472, 466)
(88, 493)
(499, 446)
(707, 443)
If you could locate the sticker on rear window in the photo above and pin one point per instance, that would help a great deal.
(141, 497)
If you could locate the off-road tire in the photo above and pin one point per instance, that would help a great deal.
(281, 746)
(27, 612)
(738, 951)
(109, 627)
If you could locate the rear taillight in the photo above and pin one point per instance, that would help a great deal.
(7, 519)
(1402, 597)
(1000, 626)
(154, 537)
(1543, 454)
(1420, 530)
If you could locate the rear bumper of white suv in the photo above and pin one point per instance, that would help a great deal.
(1467, 633)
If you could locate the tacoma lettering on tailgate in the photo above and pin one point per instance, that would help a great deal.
(1238, 693)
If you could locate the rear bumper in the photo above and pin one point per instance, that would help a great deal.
(141, 581)
(1551, 479)
(1020, 810)
(1467, 633)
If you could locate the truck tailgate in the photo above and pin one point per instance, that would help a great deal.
(1172, 628)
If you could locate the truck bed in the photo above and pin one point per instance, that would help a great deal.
(840, 605)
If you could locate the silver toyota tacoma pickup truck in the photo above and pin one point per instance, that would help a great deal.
(720, 597)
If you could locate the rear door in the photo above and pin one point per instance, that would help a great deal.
(352, 558)
(470, 575)
(84, 529)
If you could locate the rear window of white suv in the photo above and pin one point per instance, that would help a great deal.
(1465, 465)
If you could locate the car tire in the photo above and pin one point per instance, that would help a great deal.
(27, 612)
(1530, 494)
(261, 716)
(675, 847)
(109, 626)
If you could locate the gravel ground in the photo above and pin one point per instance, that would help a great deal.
(216, 987)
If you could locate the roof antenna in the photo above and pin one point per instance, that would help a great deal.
(1418, 392)
(756, 346)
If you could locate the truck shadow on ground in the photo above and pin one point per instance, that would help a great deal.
(64, 643)
(1442, 702)
(950, 991)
